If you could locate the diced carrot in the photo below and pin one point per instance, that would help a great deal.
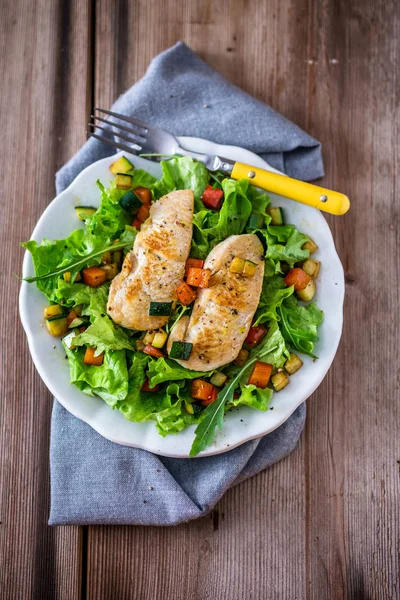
(151, 351)
(91, 359)
(143, 212)
(255, 336)
(147, 388)
(70, 317)
(212, 198)
(137, 223)
(94, 276)
(186, 294)
(198, 277)
(193, 263)
(260, 374)
(212, 397)
(201, 390)
(144, 194)
(297, 278)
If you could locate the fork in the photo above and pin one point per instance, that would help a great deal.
(136, 137)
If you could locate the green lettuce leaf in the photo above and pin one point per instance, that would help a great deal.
(164, 369)
(299, 324)
(254, 397)
(273, 293)
(102, 335)
(284, 243)
(182, 173)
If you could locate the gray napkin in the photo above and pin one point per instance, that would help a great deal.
(94, 480)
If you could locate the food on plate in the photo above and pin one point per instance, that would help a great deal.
(181, 298)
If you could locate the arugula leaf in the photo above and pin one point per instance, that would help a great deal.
(300, 324)
(102, 335)
(164, 369)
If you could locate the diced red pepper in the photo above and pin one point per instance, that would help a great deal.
(143, 212)
(201, 390)
(146, 388)
(255, 336)
(144, 194)
(198, 277)
(193, 263)
(186, 294)
(297, 278)
(212, 397)
(137, 223)
(151, 351)
(212, 198)
(260, 374)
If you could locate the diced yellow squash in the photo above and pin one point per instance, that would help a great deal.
(309, 291)
(57, 327)
(312, 267)
(110, 270)
(293, 364)
(218, 379)
(117, 257)
(149, 337)
(237, 265)
(106, 259)
(122, 165)
(311, 246)
(279, 381)
(241, 357)
(159, 339)
(67, 277)
(123, 181)
(249, 268)
(52, 311)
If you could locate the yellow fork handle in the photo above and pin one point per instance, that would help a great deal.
(306, 193)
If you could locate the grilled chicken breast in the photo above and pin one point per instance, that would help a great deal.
(223, 312)
(155, 267)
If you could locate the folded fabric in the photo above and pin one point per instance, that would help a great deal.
(92, 479)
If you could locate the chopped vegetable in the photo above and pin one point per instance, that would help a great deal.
(137, 223)
(160, 338)
(312, 267)
(106, 259)
(218, 379)
(57, 326)
(308, 292)
(279, 381)
(198, 277)
(68, 340)
(189, 408)
(130, 202)
(256, 221)
(71, 317)
(84, 212)
(181, 350)
(311, 246)
(146, 388)
(293, 364)
(193, 263)
(143, 212)
(53, 311)
(201, 390)
(213, 396)
(154, 352)
(249, 268)
(276, 215)
(243, 267)
(122, 165)
(140, 344)
(94, 276)
(241, 357)
(91, 359)
(117, 257)
(212, 198)
(255, 335)
(67, 277)
(260, 374)
(144, 194)
(297, 278)
(186, 294)
(149, 337)
(160, 309)
(110, 270)
(123, 181)
(77, 322)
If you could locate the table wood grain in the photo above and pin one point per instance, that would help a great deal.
(323, 523)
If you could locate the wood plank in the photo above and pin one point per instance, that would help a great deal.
(44, 66)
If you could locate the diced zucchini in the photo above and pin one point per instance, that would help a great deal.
(285, 268)
(106, 259)
(312, 267)
(237, 265)
(293, 364)
(311, 246)
(256, 221)
(57, 326)
(249, 268)
(123, 181)
(122, 165)
(117, 257)
(181, 350)
(160, 309)
(149, 337)
(279, 381)
(84, 212)
(130, 202)
(276, 215)
(77, 322)
(54, 310)
(242, 357)
(160, 338)
(218, 379)
(189, 408)
(110, 270)
(68, 340)
(309, 291)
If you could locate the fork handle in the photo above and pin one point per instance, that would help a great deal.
(306, 193)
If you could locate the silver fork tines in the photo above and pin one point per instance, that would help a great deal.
(121, 136)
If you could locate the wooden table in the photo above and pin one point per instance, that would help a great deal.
(324, 523)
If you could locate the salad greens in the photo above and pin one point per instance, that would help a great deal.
(125, 371)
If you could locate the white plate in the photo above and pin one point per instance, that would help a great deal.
(59, 220)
